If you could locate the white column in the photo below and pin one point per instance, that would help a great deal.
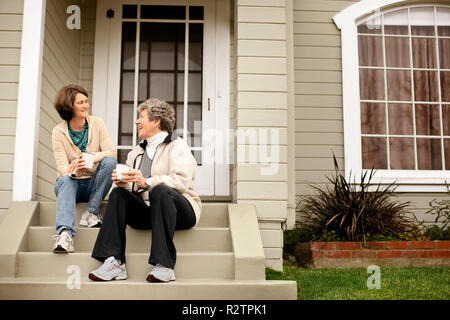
(28, 101)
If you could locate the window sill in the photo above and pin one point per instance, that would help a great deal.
(409, 180)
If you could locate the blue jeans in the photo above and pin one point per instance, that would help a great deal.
(69, 191)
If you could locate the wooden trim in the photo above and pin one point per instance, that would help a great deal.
(29, 101)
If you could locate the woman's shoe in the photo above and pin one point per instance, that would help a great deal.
(111, 269)
(161, 274)
(63, 242)
(89, 220)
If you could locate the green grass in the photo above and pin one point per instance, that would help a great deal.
(413, 283)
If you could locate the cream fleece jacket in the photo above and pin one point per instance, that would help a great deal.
(173, 165)
(65, 151)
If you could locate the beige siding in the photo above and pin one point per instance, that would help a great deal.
(318, 92)
(65, 61)
(11, 13)
(88, 40)
(318, 100)
(260, 106)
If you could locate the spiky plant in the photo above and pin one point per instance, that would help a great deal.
(352, 210)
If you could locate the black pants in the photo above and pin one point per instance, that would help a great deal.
(168, 211)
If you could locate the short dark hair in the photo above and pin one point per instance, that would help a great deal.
(65, 98)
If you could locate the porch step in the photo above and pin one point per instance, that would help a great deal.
(221, 258)
(195, 239)
(190, 265)
(213, 215)
(140, 289)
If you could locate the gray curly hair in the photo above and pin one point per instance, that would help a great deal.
(158, 109)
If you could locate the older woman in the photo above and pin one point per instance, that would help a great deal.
(157, 193)
(79, 133)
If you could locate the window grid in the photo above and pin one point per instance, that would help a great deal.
(122, 148)
(411, 68)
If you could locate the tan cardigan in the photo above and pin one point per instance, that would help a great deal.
(65, 151)
(173, 165)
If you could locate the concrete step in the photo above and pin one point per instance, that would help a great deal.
(190, 265)
(213, 214)
(181, 289)
(195, 239)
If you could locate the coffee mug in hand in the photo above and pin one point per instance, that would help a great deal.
(121, 168)
(89, 159)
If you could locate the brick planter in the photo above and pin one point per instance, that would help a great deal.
(381, 253)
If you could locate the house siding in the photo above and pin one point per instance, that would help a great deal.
(67, 59)
(260, 108)
(11, 13)
(318, 101)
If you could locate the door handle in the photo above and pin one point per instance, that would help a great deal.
(209, 104)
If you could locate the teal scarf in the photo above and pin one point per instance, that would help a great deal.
(80, 138)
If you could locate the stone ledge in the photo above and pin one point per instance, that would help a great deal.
(383, 253)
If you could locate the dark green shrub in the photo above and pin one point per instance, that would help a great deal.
(349, 211)
(441, 209)
(436, 233)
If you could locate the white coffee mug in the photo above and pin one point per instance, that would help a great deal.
(121, 168)
(89, 159)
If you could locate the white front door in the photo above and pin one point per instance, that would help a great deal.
(166, 50)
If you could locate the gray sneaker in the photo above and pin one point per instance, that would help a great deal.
(63, 242)
(89, 220)
(161, 274)
(109, 270)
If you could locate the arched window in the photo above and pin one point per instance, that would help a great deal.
(397, 93)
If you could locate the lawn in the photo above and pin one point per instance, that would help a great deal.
(413, 283)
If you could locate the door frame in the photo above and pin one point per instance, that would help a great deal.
(105, 93)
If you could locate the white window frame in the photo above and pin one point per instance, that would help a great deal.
(407, 180)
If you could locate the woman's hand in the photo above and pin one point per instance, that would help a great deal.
(77, 166)
(116, 181)
(135, 176)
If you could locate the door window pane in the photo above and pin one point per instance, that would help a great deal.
(195, 13)
(195, 84)
(162, 55)
(129, 11)
(163, 12)
(162, 86)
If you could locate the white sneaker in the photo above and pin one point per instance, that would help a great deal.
(109, 270)
(161, 274)
(89, 220)
(63, 242)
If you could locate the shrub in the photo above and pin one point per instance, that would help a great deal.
(349, 211)
(441, 209)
